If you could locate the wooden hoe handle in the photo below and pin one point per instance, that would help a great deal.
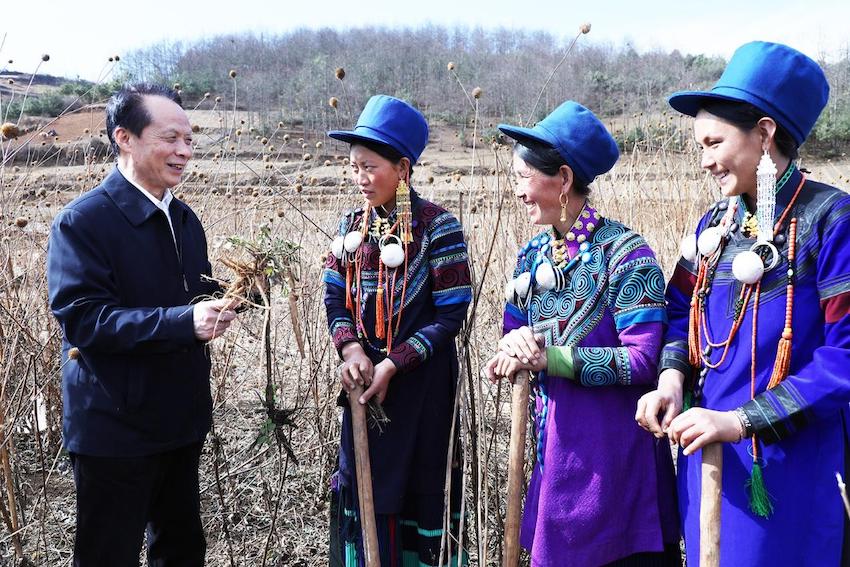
(516, 468)
(364, 479)
(709, 507)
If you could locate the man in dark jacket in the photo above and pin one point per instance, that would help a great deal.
(125, 270)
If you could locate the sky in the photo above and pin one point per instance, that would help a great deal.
(80, 36)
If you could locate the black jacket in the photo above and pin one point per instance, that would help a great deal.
(123, 296)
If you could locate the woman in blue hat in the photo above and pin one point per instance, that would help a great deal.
(585, 311)
(397, 286)
(758, 345)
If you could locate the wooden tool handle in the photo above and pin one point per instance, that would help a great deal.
(364, 479)
(709, 509)
(516, 468)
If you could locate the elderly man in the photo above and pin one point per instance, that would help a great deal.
(125, 271)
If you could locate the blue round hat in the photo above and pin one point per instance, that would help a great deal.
(785, 84)
(388, 120)
(578, 136)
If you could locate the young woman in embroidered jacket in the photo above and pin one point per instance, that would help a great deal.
(585, 311)
(397, 286)
(759, 339)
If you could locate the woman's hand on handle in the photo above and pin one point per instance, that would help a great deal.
(664, 401)
(523, 344)
(501, 365)
(384, 371)
(356, 368)
(699, 427)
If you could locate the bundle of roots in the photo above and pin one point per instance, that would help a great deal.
(250, 284)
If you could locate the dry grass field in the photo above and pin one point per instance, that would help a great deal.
(259, 506)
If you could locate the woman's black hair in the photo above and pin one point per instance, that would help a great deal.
(385, 151)
(746, 117)
(548, 161)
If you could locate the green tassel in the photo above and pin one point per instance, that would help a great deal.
(687, 401)
(759, 497)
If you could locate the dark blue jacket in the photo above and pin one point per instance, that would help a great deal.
(123, 295)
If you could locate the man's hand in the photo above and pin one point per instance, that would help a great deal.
(212, 318)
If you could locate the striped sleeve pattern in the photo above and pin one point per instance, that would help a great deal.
(776, 413)
(674, 353)
(449, 262)
(451, 290)
(340, 321)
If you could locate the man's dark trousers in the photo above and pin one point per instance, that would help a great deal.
(120, 497)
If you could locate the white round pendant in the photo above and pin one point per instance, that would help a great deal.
(392, 255)
(545, 276)
(709, 241)
(522, 283)
(337, 247)
(688, 248)
(352, 241)
(747, 267)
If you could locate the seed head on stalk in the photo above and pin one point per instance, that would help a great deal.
(583, 29)
(9, 131)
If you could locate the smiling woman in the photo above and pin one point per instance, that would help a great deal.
(585, 311)
(759, 339)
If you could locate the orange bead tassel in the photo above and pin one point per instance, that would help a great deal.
(379, 303)
(782, 365)
(348, 274)
(379, 314)
(783, 359)
(694, 338)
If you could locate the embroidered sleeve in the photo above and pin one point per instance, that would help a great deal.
(340, 320)
(819, 385)
(451, 292)
(636, 300)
